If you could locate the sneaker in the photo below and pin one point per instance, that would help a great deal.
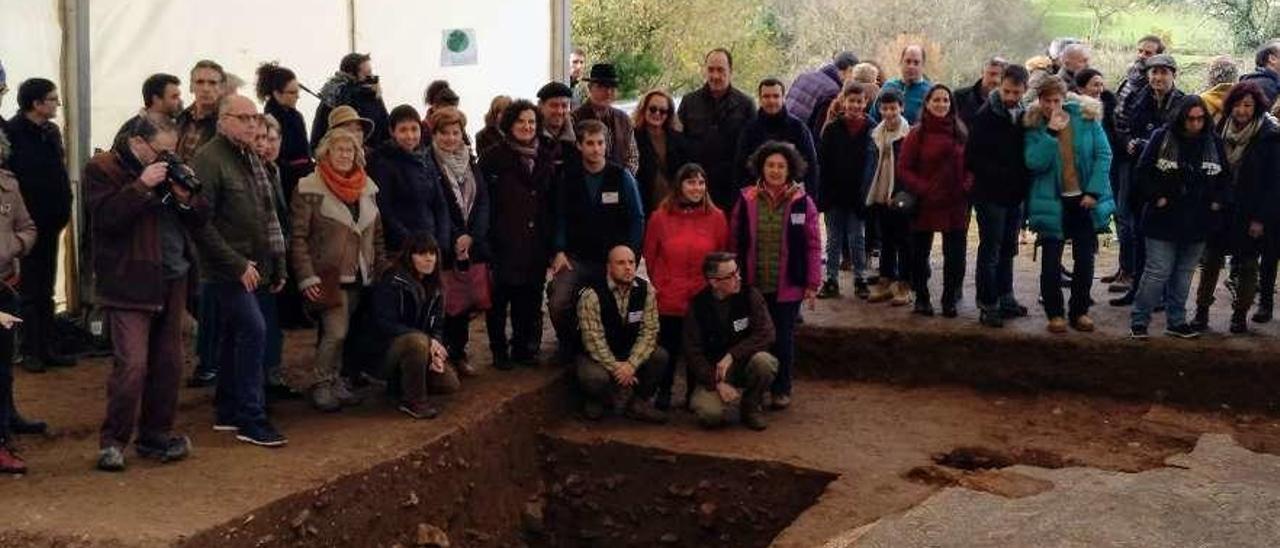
(780, 402)
(172, 449)
(1138, 332)
(1057, 325)
(1011, 309)
(21, 425)
(593, 410)
(1083, 324)
(830, 289)
(420, 410)
(342, 391)
(111, 459)
(10, 462)
(1263, 313)
(860, 289)
(220, 425)
(324, 399)
(643, 411)
(202, 379)
(262, 434)
(901, 294)
(1182, 331)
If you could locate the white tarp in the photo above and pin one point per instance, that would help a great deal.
(30, 45)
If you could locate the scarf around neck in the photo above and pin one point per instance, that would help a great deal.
(883, 182)
(346, 188)
(1172, 155)
(462, 181)
(1237, 140)
(526, 154)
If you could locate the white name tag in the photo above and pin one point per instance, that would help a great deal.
(797, 218)
(609, 197)
(635, 317)
(741, 324)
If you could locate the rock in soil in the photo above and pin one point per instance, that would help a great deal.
(431, 536)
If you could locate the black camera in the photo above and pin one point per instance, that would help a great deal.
(372, 80)
(180, 174)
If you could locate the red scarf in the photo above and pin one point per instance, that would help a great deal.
(347, 188)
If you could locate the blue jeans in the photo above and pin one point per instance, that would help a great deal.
(1167, 277)
(207, 332)
(784, 345)
(997, 246)
(274, 346)
(845, 233)
(241, 344)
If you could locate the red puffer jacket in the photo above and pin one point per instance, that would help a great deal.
(932, 168)
(676, 241)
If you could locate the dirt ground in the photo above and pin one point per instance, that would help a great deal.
(891, 443)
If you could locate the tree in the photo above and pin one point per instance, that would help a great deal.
(1104, 10)
(1251, 22)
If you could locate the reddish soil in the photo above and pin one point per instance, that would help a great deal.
(610, 494)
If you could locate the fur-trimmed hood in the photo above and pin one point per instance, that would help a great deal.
(1075, 105)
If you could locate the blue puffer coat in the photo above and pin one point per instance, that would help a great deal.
(1092, 159)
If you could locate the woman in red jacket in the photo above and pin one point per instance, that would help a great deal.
(684, 228)
(932, 168)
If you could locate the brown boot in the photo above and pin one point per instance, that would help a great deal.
(881, 292)
(465, 368)
(753, 416)
(901, 294)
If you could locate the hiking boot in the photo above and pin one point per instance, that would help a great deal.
(949, 309)
(262, 434)
(1239, 325)
(1263, 313)
(1009, 308)
(1182, 331)
(593, 410)
(923, 308)
(860, 289)
(21, 425)
(780, 402)
(10, 462)
(644, 411)
(324, 399)
(175, 448)
(1083, 324)
(881, 292)
(1057, 325)
(1139, 333)
(753, 418)
(342, 391)
(1200, 323)
(990, 318)
(419, 410)
(465, 368)
(901, 294)
(830, 289)
(111, 459)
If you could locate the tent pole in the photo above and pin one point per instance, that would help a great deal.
(561, 41)
(351, 29)
(77, 106)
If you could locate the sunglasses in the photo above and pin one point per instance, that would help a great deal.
(726, 277)
(656, 110)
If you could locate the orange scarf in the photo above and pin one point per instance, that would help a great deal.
(347, 188)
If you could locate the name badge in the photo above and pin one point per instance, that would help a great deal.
(609, 197)
(797, 218)
(635, 317)
(6, 209)
(741, 324)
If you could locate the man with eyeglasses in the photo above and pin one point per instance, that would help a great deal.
(727, 335)
(198, 123)
(242, 252)
(38, 161)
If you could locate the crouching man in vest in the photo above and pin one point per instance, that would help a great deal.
(727, 334)
(621, 364)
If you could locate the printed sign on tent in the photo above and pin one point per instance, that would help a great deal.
(458, 48)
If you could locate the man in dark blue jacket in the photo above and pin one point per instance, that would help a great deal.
(1267, 73)
(774, 123)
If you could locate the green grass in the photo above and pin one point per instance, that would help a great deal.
(1189, 30)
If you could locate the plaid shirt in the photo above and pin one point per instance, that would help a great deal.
(593, 329)
(194, 132)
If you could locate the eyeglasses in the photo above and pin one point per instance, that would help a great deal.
(728, 276)
(55, 100)
(656, 110)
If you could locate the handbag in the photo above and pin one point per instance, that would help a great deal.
(466, 288)
(903, 202)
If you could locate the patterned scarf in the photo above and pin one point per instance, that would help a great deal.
(528, 153)
(883, 182)
(267, 206)
(462, 180)
(1237, 140)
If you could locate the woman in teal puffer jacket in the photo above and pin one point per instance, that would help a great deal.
(1069, 158)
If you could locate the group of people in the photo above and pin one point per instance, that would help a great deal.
(389, 231)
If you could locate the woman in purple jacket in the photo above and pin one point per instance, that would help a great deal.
(774, 230)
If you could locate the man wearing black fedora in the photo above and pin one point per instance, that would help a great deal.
(602, 90)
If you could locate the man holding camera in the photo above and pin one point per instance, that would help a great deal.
(141, 219)
(242, 252)
(354, 85)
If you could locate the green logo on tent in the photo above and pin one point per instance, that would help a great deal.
(458, 41)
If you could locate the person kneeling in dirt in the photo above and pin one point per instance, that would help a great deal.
(619, 318)
(727, 334)
(402, 327)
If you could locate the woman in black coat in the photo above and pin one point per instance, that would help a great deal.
(1251, 141)
(519, 172)
(409, 196)
(663, 147)
(400, 337)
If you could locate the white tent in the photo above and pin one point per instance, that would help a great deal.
(100, 52)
